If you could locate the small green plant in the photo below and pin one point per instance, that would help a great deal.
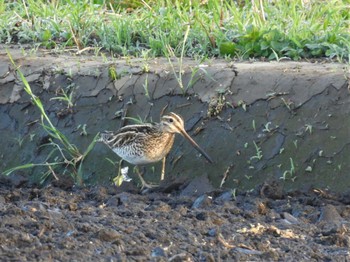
(299, 30)
(145, 87)
(216, 105)
(83, 131)
(234, 194)
(288, 104)
(289, 174)
(308, 169)
(71, 157)
(113, 74)
(19, 140)
(65, 96)
(146, 68)
(308, 127)
(194, 78)
(295, 143)
(137, 120)
(258, 151)
(170, 53)
(242, 104)
(267, 128)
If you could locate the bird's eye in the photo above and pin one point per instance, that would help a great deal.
(171, 120)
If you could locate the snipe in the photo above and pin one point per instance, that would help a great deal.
(148, 143)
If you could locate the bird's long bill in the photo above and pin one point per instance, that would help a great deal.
(196, 146)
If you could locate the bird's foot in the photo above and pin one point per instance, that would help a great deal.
(145, 185)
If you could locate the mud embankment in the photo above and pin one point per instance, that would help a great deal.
(259, 121)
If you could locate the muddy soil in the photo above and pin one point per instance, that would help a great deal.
(61, 222)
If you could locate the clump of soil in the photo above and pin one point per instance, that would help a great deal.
(63, 222)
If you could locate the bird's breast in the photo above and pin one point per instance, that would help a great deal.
(159, 146)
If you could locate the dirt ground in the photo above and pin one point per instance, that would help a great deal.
(61, 222)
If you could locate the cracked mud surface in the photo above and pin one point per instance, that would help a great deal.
(60, 223)
(271, 128)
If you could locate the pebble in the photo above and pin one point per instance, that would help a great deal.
(212, 232)
(198, 186)
(291, 219)
(108, 235)
(158, 252)
(224, 197)
(201, 202)
(329, 214)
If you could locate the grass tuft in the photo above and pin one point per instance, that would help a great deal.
(69, 156)
(272, 30)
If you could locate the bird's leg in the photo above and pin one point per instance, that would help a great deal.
(143, 182)
(163, 169)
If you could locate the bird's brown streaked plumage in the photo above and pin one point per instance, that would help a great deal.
(148, 143)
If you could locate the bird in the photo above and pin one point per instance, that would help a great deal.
(147, 143)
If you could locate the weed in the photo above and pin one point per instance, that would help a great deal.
(288, 104)
(71, 158)
(308, 169)
(145, 87)
(83, 130)
(145, 68)
(113, 74)
(289, 173)
(267, 127)
(19, 140)
(308, 127)
(31, 137)
(216, 105)
(295, 143)
(193, 78)
(234, 194)
(65, 96)
(137, 120)
(258, 151)
(170, 53)
(254, 126)
(298, 29)
(242, 104)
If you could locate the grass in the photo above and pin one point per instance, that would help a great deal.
(275, 30)
(69, 156)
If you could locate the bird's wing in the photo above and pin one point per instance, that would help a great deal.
(127, 135)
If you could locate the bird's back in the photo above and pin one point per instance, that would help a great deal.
(139, 144)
